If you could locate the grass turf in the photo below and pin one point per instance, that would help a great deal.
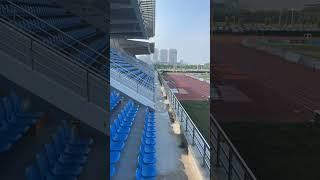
(278, 151)
(199, 113)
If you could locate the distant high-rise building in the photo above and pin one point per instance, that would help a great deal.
(181, 61)
(164, 56)
(155, 55)
(173, 56)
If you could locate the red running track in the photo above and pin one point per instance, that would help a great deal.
(196, 89)
(281, 91)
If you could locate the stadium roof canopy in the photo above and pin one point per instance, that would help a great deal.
(132, 19)
(136, 47)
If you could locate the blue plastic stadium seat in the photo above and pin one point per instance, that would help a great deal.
(117, 136)
(14, 122)
(74, 141)
(114, 157)
(149, 170)
(112, 170)
(116, 146)
(46, 172)
(32, 173)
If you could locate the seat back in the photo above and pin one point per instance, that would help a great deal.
(50, 154)
(8, 109)
(16, 102)
(32, 173)
(58, 145)
(43, 165)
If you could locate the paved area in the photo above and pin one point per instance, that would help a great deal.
(192, 89)
(280, 91)
(173, 162)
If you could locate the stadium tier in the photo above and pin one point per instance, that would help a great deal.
(58, 28)
(58, 55)
(147, 158)
(119, 132)
(14, 122)
(122, 127)
(62, 159)
(124, 64)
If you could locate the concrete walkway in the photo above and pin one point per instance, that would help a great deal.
(173, 163)
(127, 165)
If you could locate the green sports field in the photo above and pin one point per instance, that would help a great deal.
(278, 151)
(199, 113)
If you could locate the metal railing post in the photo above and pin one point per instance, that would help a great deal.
(31, 55)
(88, 87)
(193, 136)
(217, 163)
(204, 155)
(230, 164)
(186, 124)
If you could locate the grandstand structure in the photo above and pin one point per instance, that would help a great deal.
(247, 20)
(144, 141)
(53, 61)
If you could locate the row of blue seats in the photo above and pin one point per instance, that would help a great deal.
(11, 11)
(119, 132)
(147, 158)
(14, 121)
(88, 56)
(62, 159)
(37, 26)
(114, 100)
(34, 2)
(57, 17)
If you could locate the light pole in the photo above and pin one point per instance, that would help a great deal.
(280, 13)
(291, 16)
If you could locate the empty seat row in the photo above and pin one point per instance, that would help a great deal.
(25, 11)
(33, 2)
(119, 132)
(14, 121)
(62, 159)
(38, 26)
(114, 100)
(147, 158)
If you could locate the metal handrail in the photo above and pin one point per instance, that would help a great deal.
(46, 45)
(49, 66)
(138, 78)
(195, 131)
(232, 152)
(137, 86)
(53, 27)
(74, 40)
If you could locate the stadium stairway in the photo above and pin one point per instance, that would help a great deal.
(34, 36)
(129, 154)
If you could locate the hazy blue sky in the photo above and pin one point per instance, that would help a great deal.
(185, 26)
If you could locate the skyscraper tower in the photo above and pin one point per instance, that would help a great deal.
(173, 56)
(164, 56)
